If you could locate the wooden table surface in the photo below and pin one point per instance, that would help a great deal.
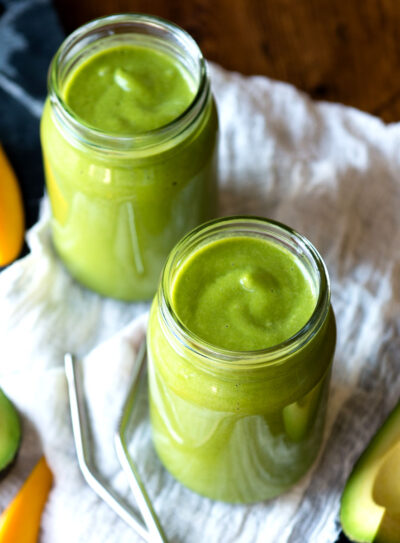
(339, 50)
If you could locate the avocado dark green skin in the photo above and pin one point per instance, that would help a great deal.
(10, 433)
(370, 506)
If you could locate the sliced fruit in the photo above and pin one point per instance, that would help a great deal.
(20, 522)
(370, 508)
(12, 224)
(299, 416)
(10, 431)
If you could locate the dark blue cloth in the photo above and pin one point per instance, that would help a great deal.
(30, 33)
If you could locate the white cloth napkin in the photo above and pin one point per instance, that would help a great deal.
(329, 171)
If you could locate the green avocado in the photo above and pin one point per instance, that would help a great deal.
(370, 508)
(10, 431)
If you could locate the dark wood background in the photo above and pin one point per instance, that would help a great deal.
(340, 50)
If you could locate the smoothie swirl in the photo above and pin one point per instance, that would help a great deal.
(243, 294)
(129, 89)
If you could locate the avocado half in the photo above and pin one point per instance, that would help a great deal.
(10, 432)
(370, 507)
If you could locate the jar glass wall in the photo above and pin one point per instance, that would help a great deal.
(121, 201)
(239, 426)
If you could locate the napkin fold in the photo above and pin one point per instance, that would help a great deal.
(329, 171)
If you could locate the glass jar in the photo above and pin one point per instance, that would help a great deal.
(120, 202)
(239, 426)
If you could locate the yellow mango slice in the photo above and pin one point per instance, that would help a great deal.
(12, 223)
(20, 522)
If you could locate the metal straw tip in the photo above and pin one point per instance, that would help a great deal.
(150, 530)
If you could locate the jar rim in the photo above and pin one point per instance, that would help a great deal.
(100, 139)
(222, 357)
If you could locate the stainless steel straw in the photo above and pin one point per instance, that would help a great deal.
(150, 530)
(134, 480)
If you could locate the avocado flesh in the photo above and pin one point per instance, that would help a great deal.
(10, 431)
(370, 507)
(386, 489)
(299, 416)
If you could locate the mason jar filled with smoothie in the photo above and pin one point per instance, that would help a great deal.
(240, 346)
(129, 138)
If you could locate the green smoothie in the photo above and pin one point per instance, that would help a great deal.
(129, 89)
(243, 294)
(237, 395)
(129, 146)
